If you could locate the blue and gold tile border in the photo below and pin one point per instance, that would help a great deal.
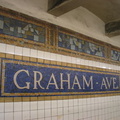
(7, 58)
(25, 31)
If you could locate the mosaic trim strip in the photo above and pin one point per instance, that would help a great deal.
(20, 78)
(22, 30)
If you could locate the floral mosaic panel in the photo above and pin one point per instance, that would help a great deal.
(115, 55)
(73, 43)
(22, 29)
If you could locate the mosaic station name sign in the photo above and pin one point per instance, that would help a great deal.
(35, 79)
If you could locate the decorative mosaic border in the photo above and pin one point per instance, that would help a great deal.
(22, 30)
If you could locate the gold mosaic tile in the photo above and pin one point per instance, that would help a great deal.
(18, 57)
(2, 55)
(10, 56)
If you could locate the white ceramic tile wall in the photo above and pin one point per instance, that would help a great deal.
(40, 54)
(33, 53)
(26, 52)
(18, 50)
(2, 47)
(100, 108)
(10, 49)
(105, 108)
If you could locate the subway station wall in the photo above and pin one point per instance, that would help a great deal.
(52, 73)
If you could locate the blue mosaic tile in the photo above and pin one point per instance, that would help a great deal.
(1, 31)
(73, 43)
(1, 17)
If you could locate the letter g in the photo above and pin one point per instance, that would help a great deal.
(15, 79)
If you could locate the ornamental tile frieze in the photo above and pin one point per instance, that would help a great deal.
(73, 43)
(25, 31)
(22, 29)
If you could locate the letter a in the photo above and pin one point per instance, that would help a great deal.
(103, 84)
(54, 82)
(76, 82)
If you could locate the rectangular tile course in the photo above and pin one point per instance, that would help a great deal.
(44, 79)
